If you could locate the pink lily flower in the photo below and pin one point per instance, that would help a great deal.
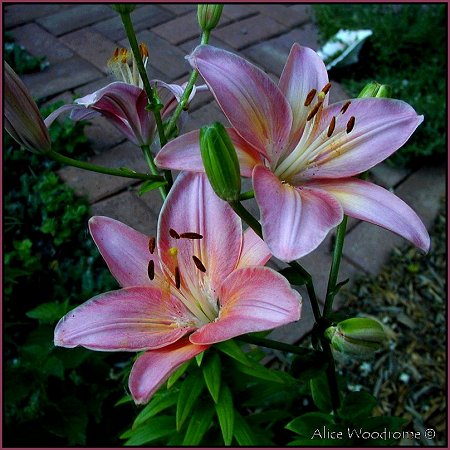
(302, 153)
(202, 281)
(123, 102)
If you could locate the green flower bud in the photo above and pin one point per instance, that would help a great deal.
(123, 8)
(357, 336)
(208, 16)
(23, 121)
(220, 161)
(375, 89)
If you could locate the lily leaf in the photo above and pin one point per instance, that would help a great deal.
(189, 395)
(225, 414)
(212, 373)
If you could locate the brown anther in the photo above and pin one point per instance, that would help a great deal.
(174, 234)
(143, 50)
(124, 55)
(151, 269)
(190, 235)
(116, 52)
(314, 111)
(198, 264)
(350, 124)
(310, 97)
(326, 88)
(331, 126)
(345, 107)
(177, 278)
(151, 245)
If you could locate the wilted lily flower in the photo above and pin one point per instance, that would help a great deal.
(302, 153)
(201, 281)
(124, 102)
(23, 121)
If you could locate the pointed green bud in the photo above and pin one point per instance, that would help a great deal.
(208, 16)
(358, 336)
(220, 161)
(23, 121)
(375, 89)
(123, 8)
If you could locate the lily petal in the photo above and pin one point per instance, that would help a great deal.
(294, 220)
(130, 319)
(183, 153)
(192, 206)
(251, 101)
(381, 127)
(372, 203)
(303, 72)
(125, 251)
(124, 105)
(252, 299)
(255, 251)
(153, 368)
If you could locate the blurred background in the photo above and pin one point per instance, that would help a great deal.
(60, 397)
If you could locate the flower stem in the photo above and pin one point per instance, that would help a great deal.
(153, 169)
(269, 343)
(100, 169)
(154, 102)
(247, 195)
(334, 270)
(187, 92)
(247, 217)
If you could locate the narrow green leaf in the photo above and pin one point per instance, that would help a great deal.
(306, 424)
(124, 399)
(242, 432)
(212, 372)
(177, 374)
(225, 414)
(150, 186)
(232, 349)
(198, 425)
(158, 428)
(339, 286)
(357, 405)
(259, 371)
(199, 358)
(293, 276)
(126, 170)
(189, 394)
(321, 392)
(48, 312)
(159, 402)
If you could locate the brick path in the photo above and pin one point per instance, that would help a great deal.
(77, 41)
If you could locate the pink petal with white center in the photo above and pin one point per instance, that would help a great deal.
(130, 319)
(252, 299)
(372, 203)
(252, 102)
(255, 251)
(125, 251)
(303, 72)
(294, 220)
(183, 153)
(124, 105)
(193, 207)
(154, 367)
(381, 127)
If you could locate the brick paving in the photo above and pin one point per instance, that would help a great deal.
(77, 41)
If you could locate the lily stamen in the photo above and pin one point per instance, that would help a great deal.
(345, 107)
(191, 235)
(174, 234)
(198, 264)
(310, 97)
(314, 111)
(326, 88)
(151, 245)
(151, 269)
(350, 124)
(331, 126)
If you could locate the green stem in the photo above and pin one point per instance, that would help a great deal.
(334, 270)
(247, 217)
(269, 343)
(187, 92)
(331, 375)
(153, 169)
(100, 169)
(247, 195)
(154, 102)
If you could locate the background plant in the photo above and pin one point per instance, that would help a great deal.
(407, 52)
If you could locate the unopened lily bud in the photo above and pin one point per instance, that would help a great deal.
(123, 8)
(209, 16)
(375, 89)
(220, 161)
(357, 336)
(23, 121)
